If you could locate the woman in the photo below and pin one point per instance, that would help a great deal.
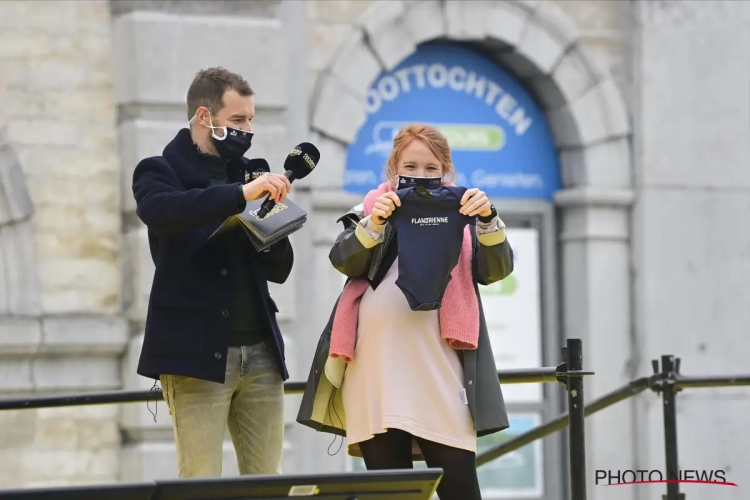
(411, 388)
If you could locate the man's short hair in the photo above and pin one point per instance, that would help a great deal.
(208, 89)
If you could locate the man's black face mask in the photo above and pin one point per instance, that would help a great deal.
(233, 144)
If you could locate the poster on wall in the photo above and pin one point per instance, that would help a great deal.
(499, 136)
(513, 310)
(518, 474)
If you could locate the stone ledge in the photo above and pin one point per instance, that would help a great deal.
(594, 197)
(60, 353)
(55, 373)
(68, 335)
(600, 223)
(19, 336)
(84, 335)
(76, 373)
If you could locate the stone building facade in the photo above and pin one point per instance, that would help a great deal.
(648, 106)
(61, 323)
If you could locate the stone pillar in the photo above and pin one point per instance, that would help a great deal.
(60, 318)
(245, 38)
(595, 255)
(692, 223)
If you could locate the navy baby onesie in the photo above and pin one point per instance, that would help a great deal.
(430, 235)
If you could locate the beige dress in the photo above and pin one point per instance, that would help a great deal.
(404, 375)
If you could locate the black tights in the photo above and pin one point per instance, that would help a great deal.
(392, 450)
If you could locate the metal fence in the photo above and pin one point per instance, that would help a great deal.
(665, 380)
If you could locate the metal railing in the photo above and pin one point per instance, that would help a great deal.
(665, 380)
(668, 381)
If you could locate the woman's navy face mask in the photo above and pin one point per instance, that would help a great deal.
(405, 181)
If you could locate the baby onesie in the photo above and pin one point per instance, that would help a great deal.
(430, 235)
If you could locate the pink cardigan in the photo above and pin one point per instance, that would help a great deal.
(459, 314)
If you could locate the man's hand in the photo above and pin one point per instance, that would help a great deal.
(384, 206)
(475, 202)
(275, 184)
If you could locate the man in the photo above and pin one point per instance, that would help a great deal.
(211, 332)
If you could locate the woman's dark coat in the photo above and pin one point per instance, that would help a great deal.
(322, 407)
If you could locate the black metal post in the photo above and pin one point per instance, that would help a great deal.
(669, 368)
(577, 445)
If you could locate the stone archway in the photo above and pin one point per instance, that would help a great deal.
(537, 42)
(589, 121)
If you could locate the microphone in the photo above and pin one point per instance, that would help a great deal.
(255, 168)
(300, 162)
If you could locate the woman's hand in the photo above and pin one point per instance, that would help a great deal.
(384, 206)
(475, 202)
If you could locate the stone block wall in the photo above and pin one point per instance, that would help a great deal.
(693, 220)
(60, 281)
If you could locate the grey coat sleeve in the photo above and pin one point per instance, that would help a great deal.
(493, 263)
(348, 255)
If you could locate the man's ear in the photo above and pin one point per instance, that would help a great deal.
(203, 114)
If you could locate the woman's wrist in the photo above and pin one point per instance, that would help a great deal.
(374, 230)
(495, 225)
(377, 221)
(489, 216)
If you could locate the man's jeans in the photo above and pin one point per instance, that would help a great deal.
(250, 402)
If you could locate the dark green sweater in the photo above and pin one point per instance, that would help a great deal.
(249, 324)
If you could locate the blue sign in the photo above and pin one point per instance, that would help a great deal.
(499, 137)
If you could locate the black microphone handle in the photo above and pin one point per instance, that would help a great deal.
(268, 205)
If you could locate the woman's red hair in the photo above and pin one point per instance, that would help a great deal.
(432, 138)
